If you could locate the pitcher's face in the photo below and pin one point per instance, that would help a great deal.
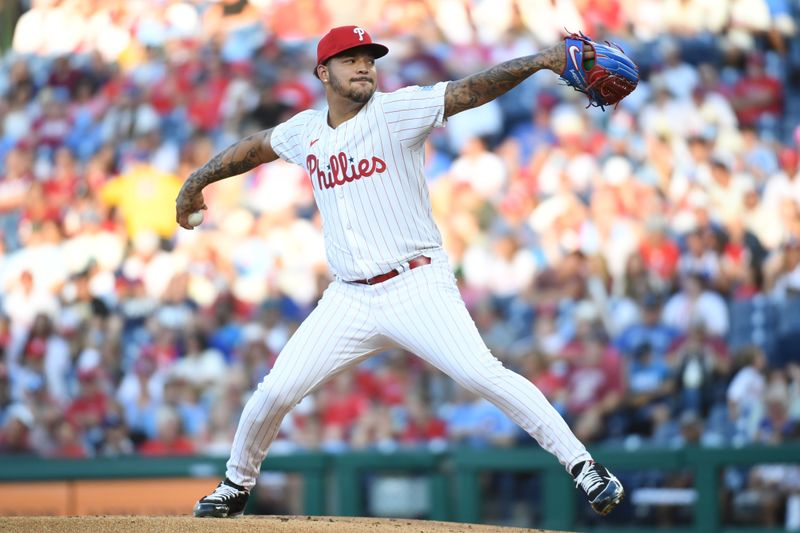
(352, 75)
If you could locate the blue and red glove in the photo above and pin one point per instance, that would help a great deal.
(611, 77)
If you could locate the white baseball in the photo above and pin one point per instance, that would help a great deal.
(195, 219)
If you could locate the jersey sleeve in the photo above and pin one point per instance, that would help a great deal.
(288, 138)
(412, 112)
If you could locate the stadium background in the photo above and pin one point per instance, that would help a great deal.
(641, 266)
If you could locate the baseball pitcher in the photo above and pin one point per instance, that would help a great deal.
(392, 281)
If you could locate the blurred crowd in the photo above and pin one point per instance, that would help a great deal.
(641, 266)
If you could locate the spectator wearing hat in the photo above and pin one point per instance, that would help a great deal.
(650, 385)
(785, 182)
(726, 189)
(28, 371)
(649, 330)
(115, 442)
(47, 347)
(88, 409)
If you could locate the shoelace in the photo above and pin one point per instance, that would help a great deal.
(223, 492)
(589, 479)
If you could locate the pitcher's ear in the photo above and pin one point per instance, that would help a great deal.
(322, 73)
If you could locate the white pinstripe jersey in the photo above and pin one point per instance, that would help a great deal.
(368, 180)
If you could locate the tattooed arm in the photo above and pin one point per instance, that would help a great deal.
(477, 89)
(236, 159)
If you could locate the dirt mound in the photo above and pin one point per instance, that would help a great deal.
(251, 524)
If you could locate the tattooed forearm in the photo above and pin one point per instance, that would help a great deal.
(476, 90)
(232, 161)
(236, 159)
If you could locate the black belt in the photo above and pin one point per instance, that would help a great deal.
(380, 278)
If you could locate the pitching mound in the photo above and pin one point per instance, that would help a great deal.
(273, 524)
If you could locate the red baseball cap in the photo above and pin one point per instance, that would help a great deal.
(344, 38)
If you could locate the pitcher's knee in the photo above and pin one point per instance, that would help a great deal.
(276, 398)
(476, 381)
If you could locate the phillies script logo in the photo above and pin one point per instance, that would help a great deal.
(342, 169)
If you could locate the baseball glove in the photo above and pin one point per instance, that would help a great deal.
(610, 78)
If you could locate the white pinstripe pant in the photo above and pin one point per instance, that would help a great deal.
(422, 311)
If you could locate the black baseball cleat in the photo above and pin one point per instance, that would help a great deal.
(227, 501)
(601, 486)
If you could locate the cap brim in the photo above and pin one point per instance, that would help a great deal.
(378, 50)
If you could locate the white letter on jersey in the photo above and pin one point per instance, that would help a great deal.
(360, 32)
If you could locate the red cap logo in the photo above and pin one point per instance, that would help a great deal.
(344, 38)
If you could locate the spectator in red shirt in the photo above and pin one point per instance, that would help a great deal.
(89, 409)
(659, 252)
(757, 94)
(170, 439)
(422, 428)
(595, 384)
(340, 405)
(374, 429)
(63, 76)
(741, 261)
(69, 443)
(54, 124)
(62, 188)
(549, 376)
(5, 389)
(392, 380)
(601, 16)
(206, 96)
